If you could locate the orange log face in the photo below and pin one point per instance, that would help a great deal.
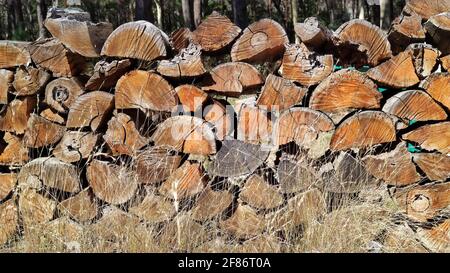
(438, 86)
(259, 194)
(305, 67)
(185, 182)
(222, 120)
(15, 118)
(363, 130)
(211, 204)
(14, 151)
(254, 125)
(262, 41)
(191, 97)
(234, 78)
(215, 32)
(445, 61)
(41, 132)
(436, 166)
(428, 8)
(370, 39)
(432, 137)
(345, 90)
(6, 79)
(279, 94)
(406, 29)
(244, 223)
(138, 40)
(61, 93)
(186, 134)
(144, 90)
(180, 38)
(301, 125)
(414, 105)
(75, 145)
(13, 54)
(7, 184)
(188, 63)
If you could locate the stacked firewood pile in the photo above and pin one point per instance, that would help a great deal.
(242, 130)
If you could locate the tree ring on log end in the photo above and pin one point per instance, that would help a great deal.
(60, 93)
(420, 203)
(259, 39)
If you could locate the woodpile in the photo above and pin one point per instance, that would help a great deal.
(252, 143)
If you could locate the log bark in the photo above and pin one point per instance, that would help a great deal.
(50, 54)
(90, 110)
(394, 167)
(359, 43)
(106, 74)
(215, 33)
(211, 204)
(13, 151)
(111, 183)
(305, 67)
(437, 85)
(61, 93)
(279, 94)
(188, 63)
(29, 81)
(13, 54)
(262, 41)
(431, 137)
(186, 182)
(81, 207)
(15, 118)
(191, 97)
(137, 40)
(435, 166)
(186, 134)
(363, 130)
(9, 221)
(144, 90)
(41, 132)
(414, 105)
(7, 184)
(233, 78)
(438, 27)
(75, 146)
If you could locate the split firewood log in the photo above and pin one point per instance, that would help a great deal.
(234, 78)
(422, 203)
(75, 145)
(428, 8)
(425, 58)
(122, 136)
(137, 40)
(91, 109)
(345, 91)
(52, 115)
(362, 130)
(279, 94)
(187, 181)
(404, 238)
(188, 63)
(9, 221)
(435, 166)
(191, 97)
(42, 132)
(144, 90)
(61, 93)
(211, 204)
(155, 164)
(414, 105)
(437, 239)
(438, 27)
(244, 223)
(186, 134)
(80, 207)
(220, 118)
(445, 62)
(302, 209)
(359, 43)
(306, 127)
(50, 172)
(114, 225)
(13, 151)
(29, 81)
(258, 193)
(295, 175)
(13, 54)
(35, 208)
(312, 33)
(348, 175)
(254, 125)
(82, 37)
(303, 66)
(106, 74)
(215, 32)
(181, 38)
(438, 86)
(111, 183)
(431, 137)
(237, 158)
(261, 41)
(154, 209)
(263, 243)
(51, 55)
(394, 167)
(7, 184)
(62, 231)
(406, 29)
(6, 79)
(15, 118)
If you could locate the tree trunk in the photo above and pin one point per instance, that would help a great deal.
(197, 12)
(294, 17)
(40, 10)
(159, 12)
(144, 10)
(187, 14)
(240, 17)
(386, 13)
